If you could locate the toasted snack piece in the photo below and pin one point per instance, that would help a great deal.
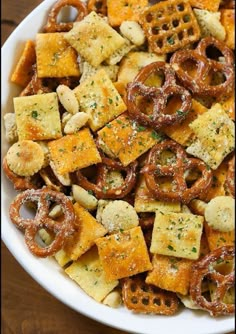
(68, 99)
(85, 199)
(215, 133)
(89, 70)
(120, 53)
(177, 234)
(76, 122)
(113, 299)
(188, 302)
(99, 98)
(210, 24)
(169, 25)
(206, 4)
(120, 10)
(23, 71)
(38, 117)
(133, 31)
(220, 214)
(182, 133)
(55, 57)
(228, 21)
(119, 216)
(64, 179)
(123, 254)
(72, 152)
(94, 39)
(25, 158)
(10, 127)
(170, 273)
(198, 207)
(102, 203)
(87, 271)
(217, 238)
(144, 298)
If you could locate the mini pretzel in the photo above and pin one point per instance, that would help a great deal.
(100, 188)
(205, 67)
(229, 182)
(20, 182)
(53, 26)
(204, 268)
(176, 170)
(144, 298)
(43, 198)
(159, 96)
(98, 6)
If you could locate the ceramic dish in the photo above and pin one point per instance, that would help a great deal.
(46, 271)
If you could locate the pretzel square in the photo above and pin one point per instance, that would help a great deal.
(212, 5)
(170, 273)
(88, 231)
(141, 297)
(55, 57)
(124, 254)
(99, 98)
(23, 71)
(177, 234)
(215, 136)
(87, 271)
(94, 39)
(37, 117)
(217, 238)
(126, 139)
(72, 152)
(181, 132)
(124, 10)
(145, 202)
(228, 21)
(169, 25)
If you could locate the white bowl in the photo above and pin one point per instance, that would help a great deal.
(46, 271)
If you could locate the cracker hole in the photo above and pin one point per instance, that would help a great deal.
(180, 7)
(133, 287)
(144, 288)
(159, 43)
(165, 27)
(157, 301)
(186, 18)
(175, 23)
(190, 32)
(134, 300)
(155, 30)
(145, 301)
(180, 35)
(149, 17)
(168, 302)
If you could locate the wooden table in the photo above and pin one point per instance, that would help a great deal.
(26, 307)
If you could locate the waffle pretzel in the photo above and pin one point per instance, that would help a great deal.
(176, 170)
(159, 96)
(53, 26)
(100, 188)
(199, 84)
(204, 268)
(43, 198)
(169, 26)
(144, 298)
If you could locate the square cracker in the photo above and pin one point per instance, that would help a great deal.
(55, 57)
(126, 139)
(145, 202)
(124, 10)
(177, 234)
(181, 132)
(23, 71)
(99, 98)
(94, 39)
(212, 5)
(72, 152)
(37, 117)
(124, 254)
(215, 135)
(170, 273)
(87, 271)
(88, 231)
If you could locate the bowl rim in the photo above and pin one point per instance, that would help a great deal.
(38, 269)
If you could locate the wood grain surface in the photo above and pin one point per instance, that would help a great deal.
(26, 307)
